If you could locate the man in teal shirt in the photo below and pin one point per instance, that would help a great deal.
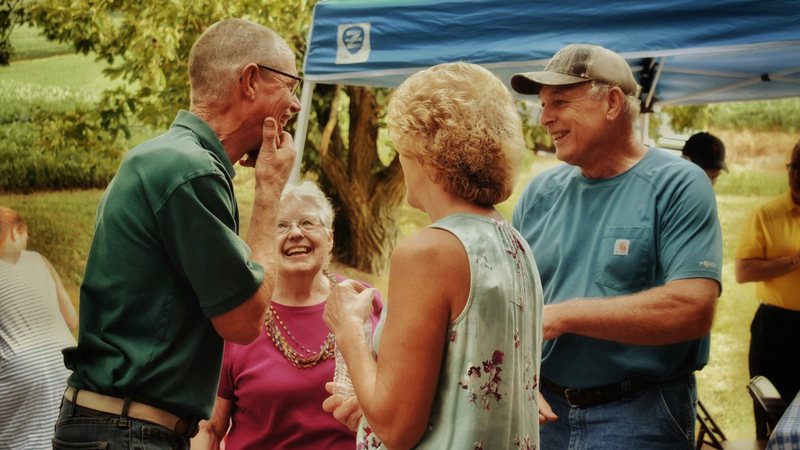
(168, 277)
(629, 250)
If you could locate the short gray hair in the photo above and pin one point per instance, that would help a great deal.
(632, 103)
(308, 192)
(223, 49)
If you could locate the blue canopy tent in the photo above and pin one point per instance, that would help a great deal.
(681, 51)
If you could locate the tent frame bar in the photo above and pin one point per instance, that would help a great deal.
(301, 130)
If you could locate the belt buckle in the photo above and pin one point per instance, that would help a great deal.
(571, 395)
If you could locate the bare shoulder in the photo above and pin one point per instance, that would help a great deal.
(429, 247)
(430, 274)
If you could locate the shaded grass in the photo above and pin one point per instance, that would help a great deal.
(79, 73)
(721, 384)
(29, 43)
(748, 183)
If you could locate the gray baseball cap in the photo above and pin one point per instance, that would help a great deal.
(578, 63)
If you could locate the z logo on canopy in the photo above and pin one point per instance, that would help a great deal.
(353, 43)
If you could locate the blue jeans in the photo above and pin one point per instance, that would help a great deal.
(661, 417)
(86, 429)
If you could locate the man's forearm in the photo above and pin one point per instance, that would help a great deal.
(765, 269)
(261, 236)
(680, 311)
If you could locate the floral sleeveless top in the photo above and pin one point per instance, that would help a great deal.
(489, 383)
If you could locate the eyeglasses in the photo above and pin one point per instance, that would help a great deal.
(793, 167)
(305, 224)
(298, 80)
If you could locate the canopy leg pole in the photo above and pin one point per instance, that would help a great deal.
(301, 130)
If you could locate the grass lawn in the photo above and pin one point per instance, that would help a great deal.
(29, 43)
(75, 74)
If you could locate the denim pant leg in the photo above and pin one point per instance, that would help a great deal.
(662, 417)
(87, 430)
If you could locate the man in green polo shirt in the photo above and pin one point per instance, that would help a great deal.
(168, 278)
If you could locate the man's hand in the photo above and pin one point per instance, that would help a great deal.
(275, 159)
(546, 413)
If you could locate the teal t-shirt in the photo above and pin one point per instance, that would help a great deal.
(655, 223)
(165, 257)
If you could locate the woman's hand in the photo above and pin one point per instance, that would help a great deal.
(345, 410)
(348, 306)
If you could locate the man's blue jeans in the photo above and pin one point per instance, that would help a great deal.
(86, 429)
(661, 417)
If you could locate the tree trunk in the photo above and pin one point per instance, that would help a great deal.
(367, 193)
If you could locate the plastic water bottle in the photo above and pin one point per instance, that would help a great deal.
(342, 384)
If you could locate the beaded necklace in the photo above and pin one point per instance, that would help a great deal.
(308, 358)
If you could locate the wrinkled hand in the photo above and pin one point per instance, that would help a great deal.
(546, 413)
(349, 304)
(345, 410)
(274, 161)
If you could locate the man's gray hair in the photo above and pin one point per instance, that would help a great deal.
(220, 53)
(632, 105)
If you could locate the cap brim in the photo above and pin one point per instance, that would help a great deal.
(530, 83)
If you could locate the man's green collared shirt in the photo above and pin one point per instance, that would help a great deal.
(165, 258)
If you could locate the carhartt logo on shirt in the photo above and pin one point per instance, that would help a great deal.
(621, 247)
(708, 264)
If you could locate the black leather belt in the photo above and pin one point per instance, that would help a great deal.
(600, 395)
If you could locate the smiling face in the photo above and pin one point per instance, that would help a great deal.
(575, 121)
(281, 101)
(274, 97)
(304, 242)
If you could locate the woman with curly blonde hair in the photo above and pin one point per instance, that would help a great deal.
(458, 348)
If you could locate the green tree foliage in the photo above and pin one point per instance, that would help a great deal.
(687, 118)
(12, 14)
(764, 115)
(147, 44)
(536, 137)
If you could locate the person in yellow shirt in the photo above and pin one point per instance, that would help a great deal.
(769, 254)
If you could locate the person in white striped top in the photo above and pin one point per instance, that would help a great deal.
(36, 321)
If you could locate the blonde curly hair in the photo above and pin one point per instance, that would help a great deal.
(459, 120)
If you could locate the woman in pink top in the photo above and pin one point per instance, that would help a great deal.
(271, 391)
